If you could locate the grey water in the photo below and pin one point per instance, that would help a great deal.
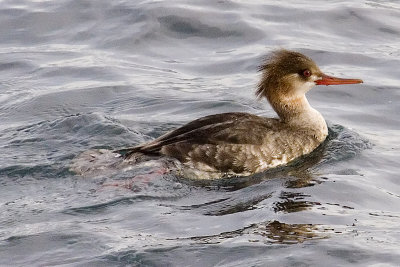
(77, 75)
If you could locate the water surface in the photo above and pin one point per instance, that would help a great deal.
(76, 75)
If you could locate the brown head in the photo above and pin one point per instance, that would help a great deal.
(288, 75)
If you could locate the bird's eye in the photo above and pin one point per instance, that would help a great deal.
(306, 73)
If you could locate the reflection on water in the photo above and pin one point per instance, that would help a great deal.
(270, 232)
(293, 202)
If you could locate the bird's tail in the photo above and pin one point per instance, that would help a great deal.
(103, 161)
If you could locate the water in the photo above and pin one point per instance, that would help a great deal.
(76, 75)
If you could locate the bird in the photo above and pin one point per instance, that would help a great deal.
(241, 144)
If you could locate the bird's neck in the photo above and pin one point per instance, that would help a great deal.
(297, 112)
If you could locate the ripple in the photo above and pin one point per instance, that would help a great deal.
(186, 27)
(78, 75)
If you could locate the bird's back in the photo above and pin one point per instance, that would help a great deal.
(231, 144)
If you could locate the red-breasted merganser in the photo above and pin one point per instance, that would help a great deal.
(240, 144)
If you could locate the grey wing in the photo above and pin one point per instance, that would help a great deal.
(212, 130)
(246, 147)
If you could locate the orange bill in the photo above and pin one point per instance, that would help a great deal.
(330, 80)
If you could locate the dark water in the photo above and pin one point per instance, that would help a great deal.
(76, 75)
